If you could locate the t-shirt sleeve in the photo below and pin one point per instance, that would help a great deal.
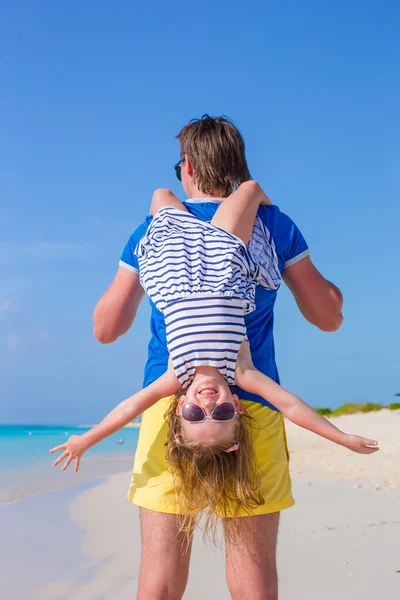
(289, 241)
(128, 258)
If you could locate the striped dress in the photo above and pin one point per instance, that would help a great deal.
(203, 280)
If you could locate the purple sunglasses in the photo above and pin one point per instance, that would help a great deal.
(193, 413)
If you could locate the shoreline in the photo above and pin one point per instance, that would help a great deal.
(346, 508)
(42, 542)
(310, 455)
(52, 480)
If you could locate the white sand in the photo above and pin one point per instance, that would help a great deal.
(342, 540)
(313, 456)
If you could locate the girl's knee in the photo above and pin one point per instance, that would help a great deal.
(160, 199)
(251, 189)
(162, 194)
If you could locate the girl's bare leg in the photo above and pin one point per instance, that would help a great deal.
(163, 197)
(237, 213)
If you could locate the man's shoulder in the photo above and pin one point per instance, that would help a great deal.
(276, 221)
(289, 242)
(272, 215)
(128, 258)
(201, 208)
(141, 229)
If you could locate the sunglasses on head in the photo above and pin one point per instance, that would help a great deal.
(193, 413)
(177, 168)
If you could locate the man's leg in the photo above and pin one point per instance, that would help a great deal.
(253, 576)
(237, 213)
(165, 564)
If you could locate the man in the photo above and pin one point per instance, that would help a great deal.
(212, 164)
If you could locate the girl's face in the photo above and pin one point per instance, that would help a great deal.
(207, 391)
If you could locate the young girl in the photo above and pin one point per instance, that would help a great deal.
(202, 277)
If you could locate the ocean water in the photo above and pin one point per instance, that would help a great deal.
(26, 465)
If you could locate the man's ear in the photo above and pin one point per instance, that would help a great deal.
(238, 405)
(180, 404)
(188, 166)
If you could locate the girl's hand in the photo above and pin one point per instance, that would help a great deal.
(360, 444)
(73, 450)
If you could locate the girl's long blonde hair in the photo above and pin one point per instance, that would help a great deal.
(207, 477)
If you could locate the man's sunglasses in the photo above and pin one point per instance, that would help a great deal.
(177, 168)
(193, 413)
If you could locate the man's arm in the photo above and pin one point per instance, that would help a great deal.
(116, 309)
(319, 300)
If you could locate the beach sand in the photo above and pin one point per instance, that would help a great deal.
(341, 540)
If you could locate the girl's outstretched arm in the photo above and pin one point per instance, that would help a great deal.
(121, 415)
(297, 411)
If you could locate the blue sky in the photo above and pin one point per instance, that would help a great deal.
(92, 97)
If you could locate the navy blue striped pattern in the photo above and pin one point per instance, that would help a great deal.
(204, 331)
(262, 251)
(203, 280)
(181, 256)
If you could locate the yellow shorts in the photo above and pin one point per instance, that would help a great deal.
(152, 486)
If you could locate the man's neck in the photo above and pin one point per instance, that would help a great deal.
(201, 195)
(196, 193)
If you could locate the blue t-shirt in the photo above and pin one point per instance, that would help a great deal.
(290, 247)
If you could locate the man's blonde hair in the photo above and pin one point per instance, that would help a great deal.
(216, 151)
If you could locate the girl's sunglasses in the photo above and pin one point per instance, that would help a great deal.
(193, 413)
(177, 168)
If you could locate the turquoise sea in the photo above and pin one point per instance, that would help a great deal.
(26, 465)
